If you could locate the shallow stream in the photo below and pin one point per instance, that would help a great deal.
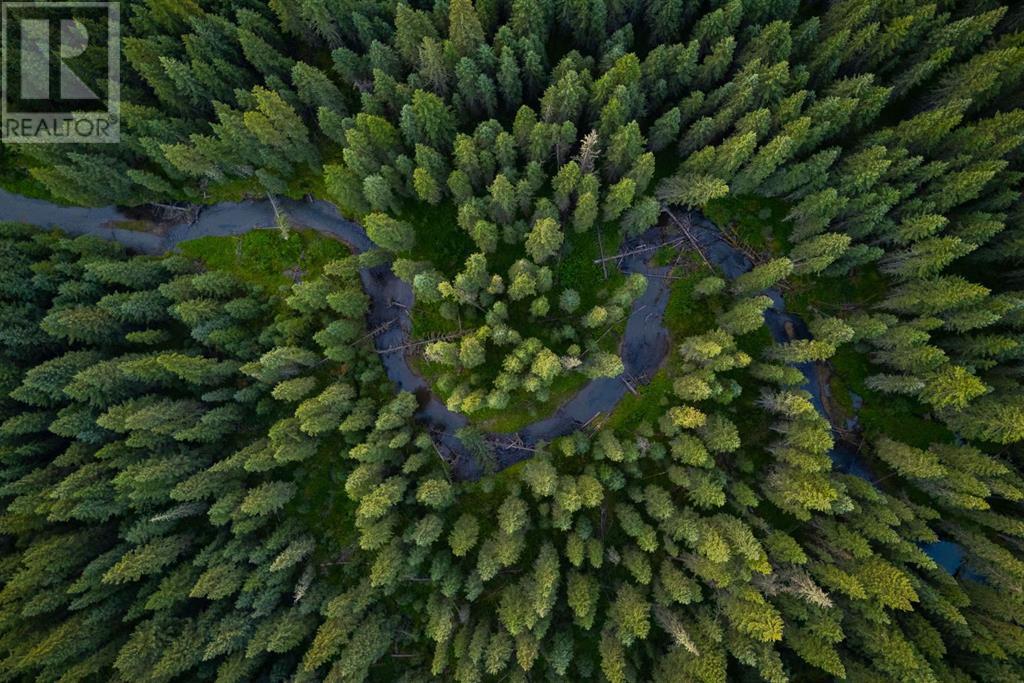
(644, 345)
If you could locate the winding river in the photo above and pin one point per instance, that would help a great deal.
(643, 348)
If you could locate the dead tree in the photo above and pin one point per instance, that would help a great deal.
(685, 227)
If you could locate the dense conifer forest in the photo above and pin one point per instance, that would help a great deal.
(208, 471)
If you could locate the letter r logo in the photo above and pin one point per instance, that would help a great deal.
(35, 60)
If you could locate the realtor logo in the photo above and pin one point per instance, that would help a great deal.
(61, 72)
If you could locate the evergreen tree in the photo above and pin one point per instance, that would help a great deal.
(544, 240)
(466, 33)
(388, 233)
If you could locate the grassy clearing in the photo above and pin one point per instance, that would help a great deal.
(304, 181)
(133, 225)
(439, 239)
(809, 296)
(684, 316)
(664, 256)
(757, 221)
(899, 417)
(576, 268)
(524, 409)
(648, 404)
(263, 257)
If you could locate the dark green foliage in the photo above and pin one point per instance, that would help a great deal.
(205, 475)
